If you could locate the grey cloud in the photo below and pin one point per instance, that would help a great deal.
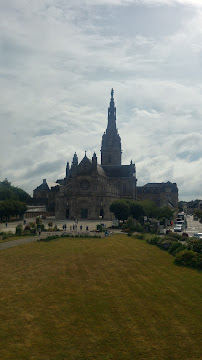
(45, 168)
(189, 156)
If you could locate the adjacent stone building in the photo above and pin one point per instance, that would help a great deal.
(45, 194)
(163, 194)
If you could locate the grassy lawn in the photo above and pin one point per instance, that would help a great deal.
(114, 298)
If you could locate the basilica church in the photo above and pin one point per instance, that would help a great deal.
(89, 188)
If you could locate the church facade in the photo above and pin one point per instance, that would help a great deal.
(89, 188)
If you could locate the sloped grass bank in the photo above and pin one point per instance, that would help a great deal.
(108, 299)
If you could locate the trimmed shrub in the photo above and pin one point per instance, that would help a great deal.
(175, 236)
(153, 240)
(32, 225)
(132, 226)
(176, 247)
(139, 236)
(189, 258)
(137, 227)
(195, 245)
(164, 244)
(38, 220)
(19, 229)
(56, 237)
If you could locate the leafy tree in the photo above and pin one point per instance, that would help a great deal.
(150, 208)
(120, 209)
(165, 212)
(136, 210)
(9, 192)
(12, 208)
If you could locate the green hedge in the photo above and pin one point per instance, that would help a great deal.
(189, 258)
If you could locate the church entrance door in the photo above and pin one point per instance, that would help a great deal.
(67, 213)
(84, 213)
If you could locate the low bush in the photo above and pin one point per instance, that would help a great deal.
(6, 235)
(56, 237)
(195, 245)
(165, 244)
(153, 240)
(139, 236)
(176, 247)
(175, 236)
(189, 258)
(32, 225)
(38, 220)
(19, 229)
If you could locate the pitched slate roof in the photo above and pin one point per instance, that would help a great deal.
(117, 170)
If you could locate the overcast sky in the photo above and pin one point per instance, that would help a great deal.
(59, 60)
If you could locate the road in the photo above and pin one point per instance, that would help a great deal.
(193, 226)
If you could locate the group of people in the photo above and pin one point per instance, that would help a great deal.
(74, 227)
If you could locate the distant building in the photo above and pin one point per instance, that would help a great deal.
(190, 206)
(46, 193)
(34, 211)
(161, 193)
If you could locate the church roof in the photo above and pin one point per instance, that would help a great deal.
(161, 185)
(117, 170)
(100, 170)
(47, 185)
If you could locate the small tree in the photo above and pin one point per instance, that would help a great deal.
(120, 209)
(150, 208)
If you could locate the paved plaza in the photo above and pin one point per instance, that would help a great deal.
(91, 224)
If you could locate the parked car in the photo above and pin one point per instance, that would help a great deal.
(179, 228)
(198, 235)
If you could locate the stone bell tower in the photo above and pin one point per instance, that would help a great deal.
(111, 141)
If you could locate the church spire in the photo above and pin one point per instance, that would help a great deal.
(111, 142)
(111, 112)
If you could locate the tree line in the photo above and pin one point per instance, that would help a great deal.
(123, 209)
(12, 201)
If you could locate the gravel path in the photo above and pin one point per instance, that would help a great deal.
(12, 243)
